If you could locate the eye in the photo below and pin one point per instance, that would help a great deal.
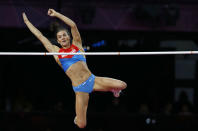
(59, 37)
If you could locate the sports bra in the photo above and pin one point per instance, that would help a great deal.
(68, 60)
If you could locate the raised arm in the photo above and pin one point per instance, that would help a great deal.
(47, 44)
(74, 30)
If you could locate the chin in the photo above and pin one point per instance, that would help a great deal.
(65, 45)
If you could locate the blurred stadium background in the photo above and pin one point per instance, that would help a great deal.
(162, 94)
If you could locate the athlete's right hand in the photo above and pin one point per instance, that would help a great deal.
(51, 12)
(24, 17)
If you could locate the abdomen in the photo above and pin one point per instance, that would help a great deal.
(78, 73)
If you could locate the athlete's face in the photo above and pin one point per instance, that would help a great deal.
(63, 38)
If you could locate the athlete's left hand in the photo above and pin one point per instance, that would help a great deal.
(51, 12)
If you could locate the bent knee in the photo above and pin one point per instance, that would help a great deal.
(124, 85)
(81, 124)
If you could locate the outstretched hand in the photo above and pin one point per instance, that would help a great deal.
(24, 17)
(51, 12)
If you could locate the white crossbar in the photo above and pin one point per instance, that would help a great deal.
(104, 53)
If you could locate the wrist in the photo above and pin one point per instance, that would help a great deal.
(26, 20)
(56, 14)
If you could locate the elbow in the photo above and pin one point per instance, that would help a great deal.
(73, 25)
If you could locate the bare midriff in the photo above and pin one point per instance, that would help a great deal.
(78, 73)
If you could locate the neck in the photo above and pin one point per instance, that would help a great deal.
(66, 46)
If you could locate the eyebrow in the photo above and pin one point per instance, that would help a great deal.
(61, 34)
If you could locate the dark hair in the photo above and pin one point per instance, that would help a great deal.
(55, 27)
(60, 28)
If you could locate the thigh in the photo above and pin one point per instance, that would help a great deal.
(107, 84)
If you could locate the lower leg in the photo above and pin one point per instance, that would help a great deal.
(81, 109)
(109, 84)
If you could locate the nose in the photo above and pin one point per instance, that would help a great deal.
(63, 38)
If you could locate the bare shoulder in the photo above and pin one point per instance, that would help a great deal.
(79, 45)
(56, 49)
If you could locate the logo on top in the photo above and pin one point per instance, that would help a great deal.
(72, 49)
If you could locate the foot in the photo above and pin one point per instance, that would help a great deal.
(116, 93)
(75, 120)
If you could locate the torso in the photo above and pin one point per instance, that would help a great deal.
(78, 72)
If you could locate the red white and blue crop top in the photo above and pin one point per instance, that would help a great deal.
(68, 60)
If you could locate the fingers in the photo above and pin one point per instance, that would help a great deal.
(24, 16)
(51, 12)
